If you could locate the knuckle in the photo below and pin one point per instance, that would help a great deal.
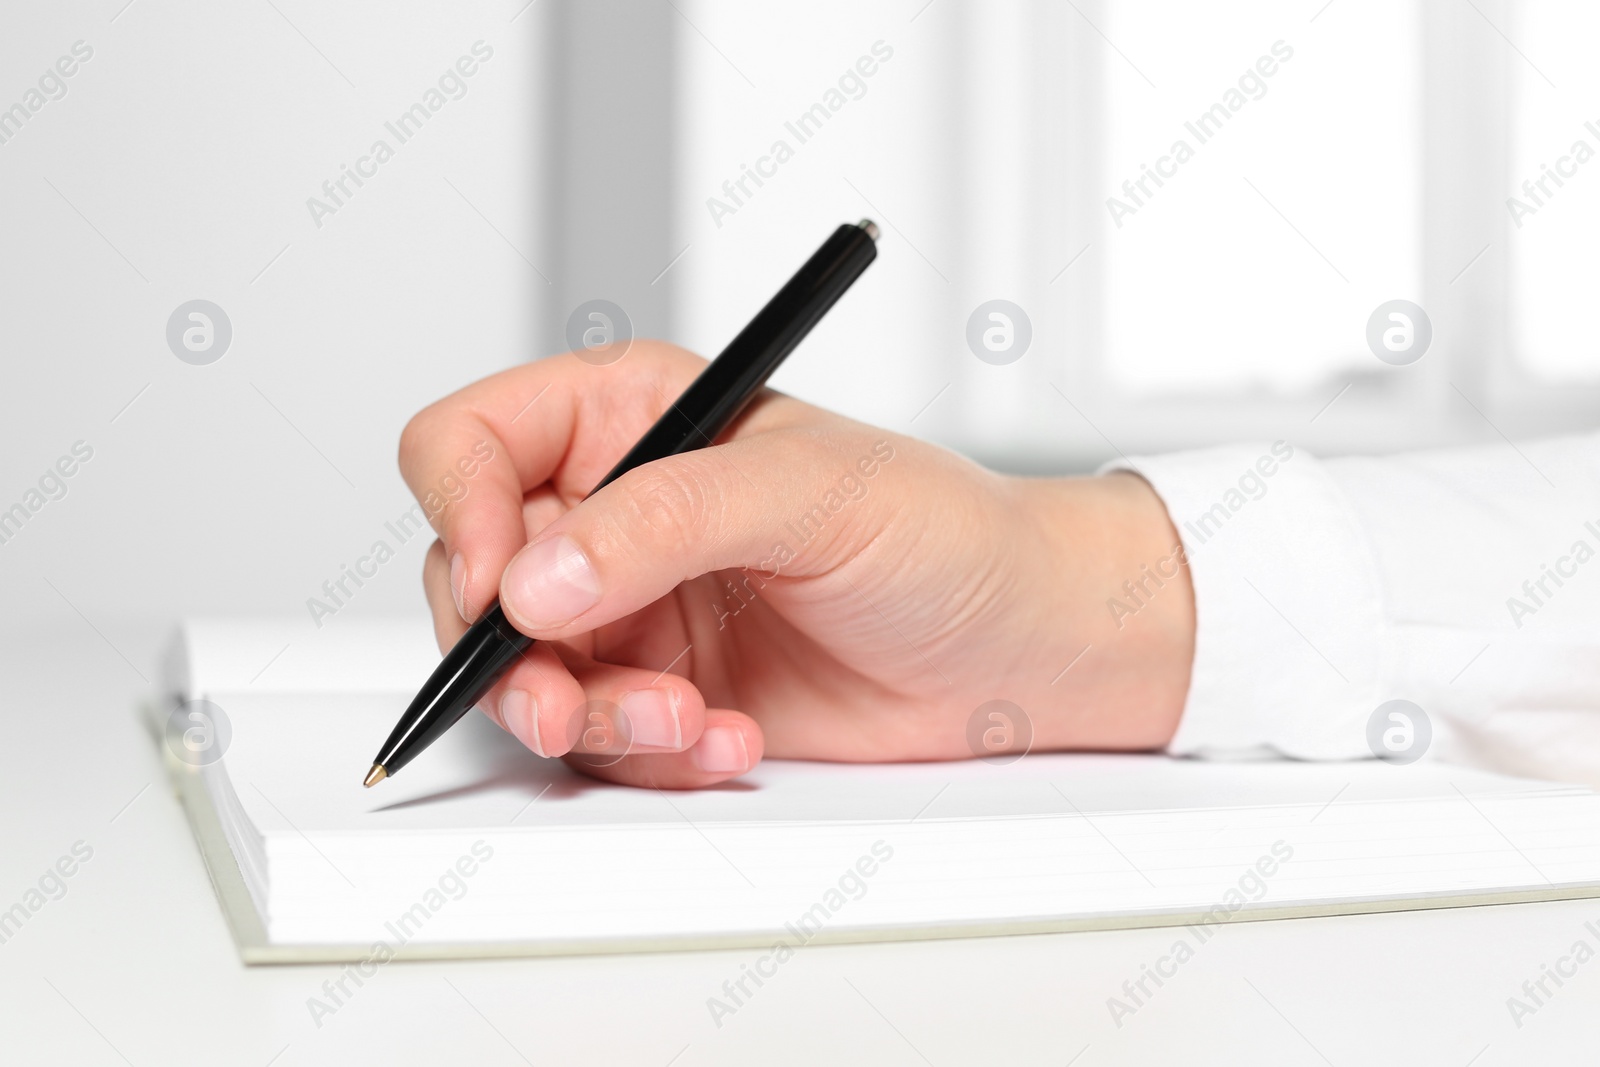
(414, 438)
(673, 503)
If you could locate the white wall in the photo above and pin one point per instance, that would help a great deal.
(1374, 165)
(178, 166)
(580, 164)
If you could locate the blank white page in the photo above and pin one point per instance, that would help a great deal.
(975, 846)
(307, 754)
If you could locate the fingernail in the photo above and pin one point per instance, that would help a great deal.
(521, 715)
(458, 583)
(550, 583)
(653, 718)
(721, 750)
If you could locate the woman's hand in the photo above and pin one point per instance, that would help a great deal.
(807, 588)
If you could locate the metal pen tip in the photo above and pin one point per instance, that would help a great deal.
(871, 228)
(374, 776)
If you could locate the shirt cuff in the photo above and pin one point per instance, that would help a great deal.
(1291, 648)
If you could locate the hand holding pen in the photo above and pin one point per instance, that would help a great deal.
(810, 587)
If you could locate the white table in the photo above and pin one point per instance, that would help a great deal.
(134, 964)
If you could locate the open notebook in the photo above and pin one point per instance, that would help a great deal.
(481, 848)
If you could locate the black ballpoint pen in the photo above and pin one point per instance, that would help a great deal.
(713, 400)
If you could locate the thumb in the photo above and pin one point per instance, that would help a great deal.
(770, 502)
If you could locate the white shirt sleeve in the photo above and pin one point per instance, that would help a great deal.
(1466, 581)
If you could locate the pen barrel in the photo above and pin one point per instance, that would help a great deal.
(467, 672)
(715, 398)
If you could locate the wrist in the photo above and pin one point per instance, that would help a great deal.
(1111, 597)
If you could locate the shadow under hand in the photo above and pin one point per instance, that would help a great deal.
(495, 763)
(554, 782)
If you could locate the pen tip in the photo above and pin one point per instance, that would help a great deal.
(376, 775)
(871, 228)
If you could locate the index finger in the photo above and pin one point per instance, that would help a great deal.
(471, 458)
